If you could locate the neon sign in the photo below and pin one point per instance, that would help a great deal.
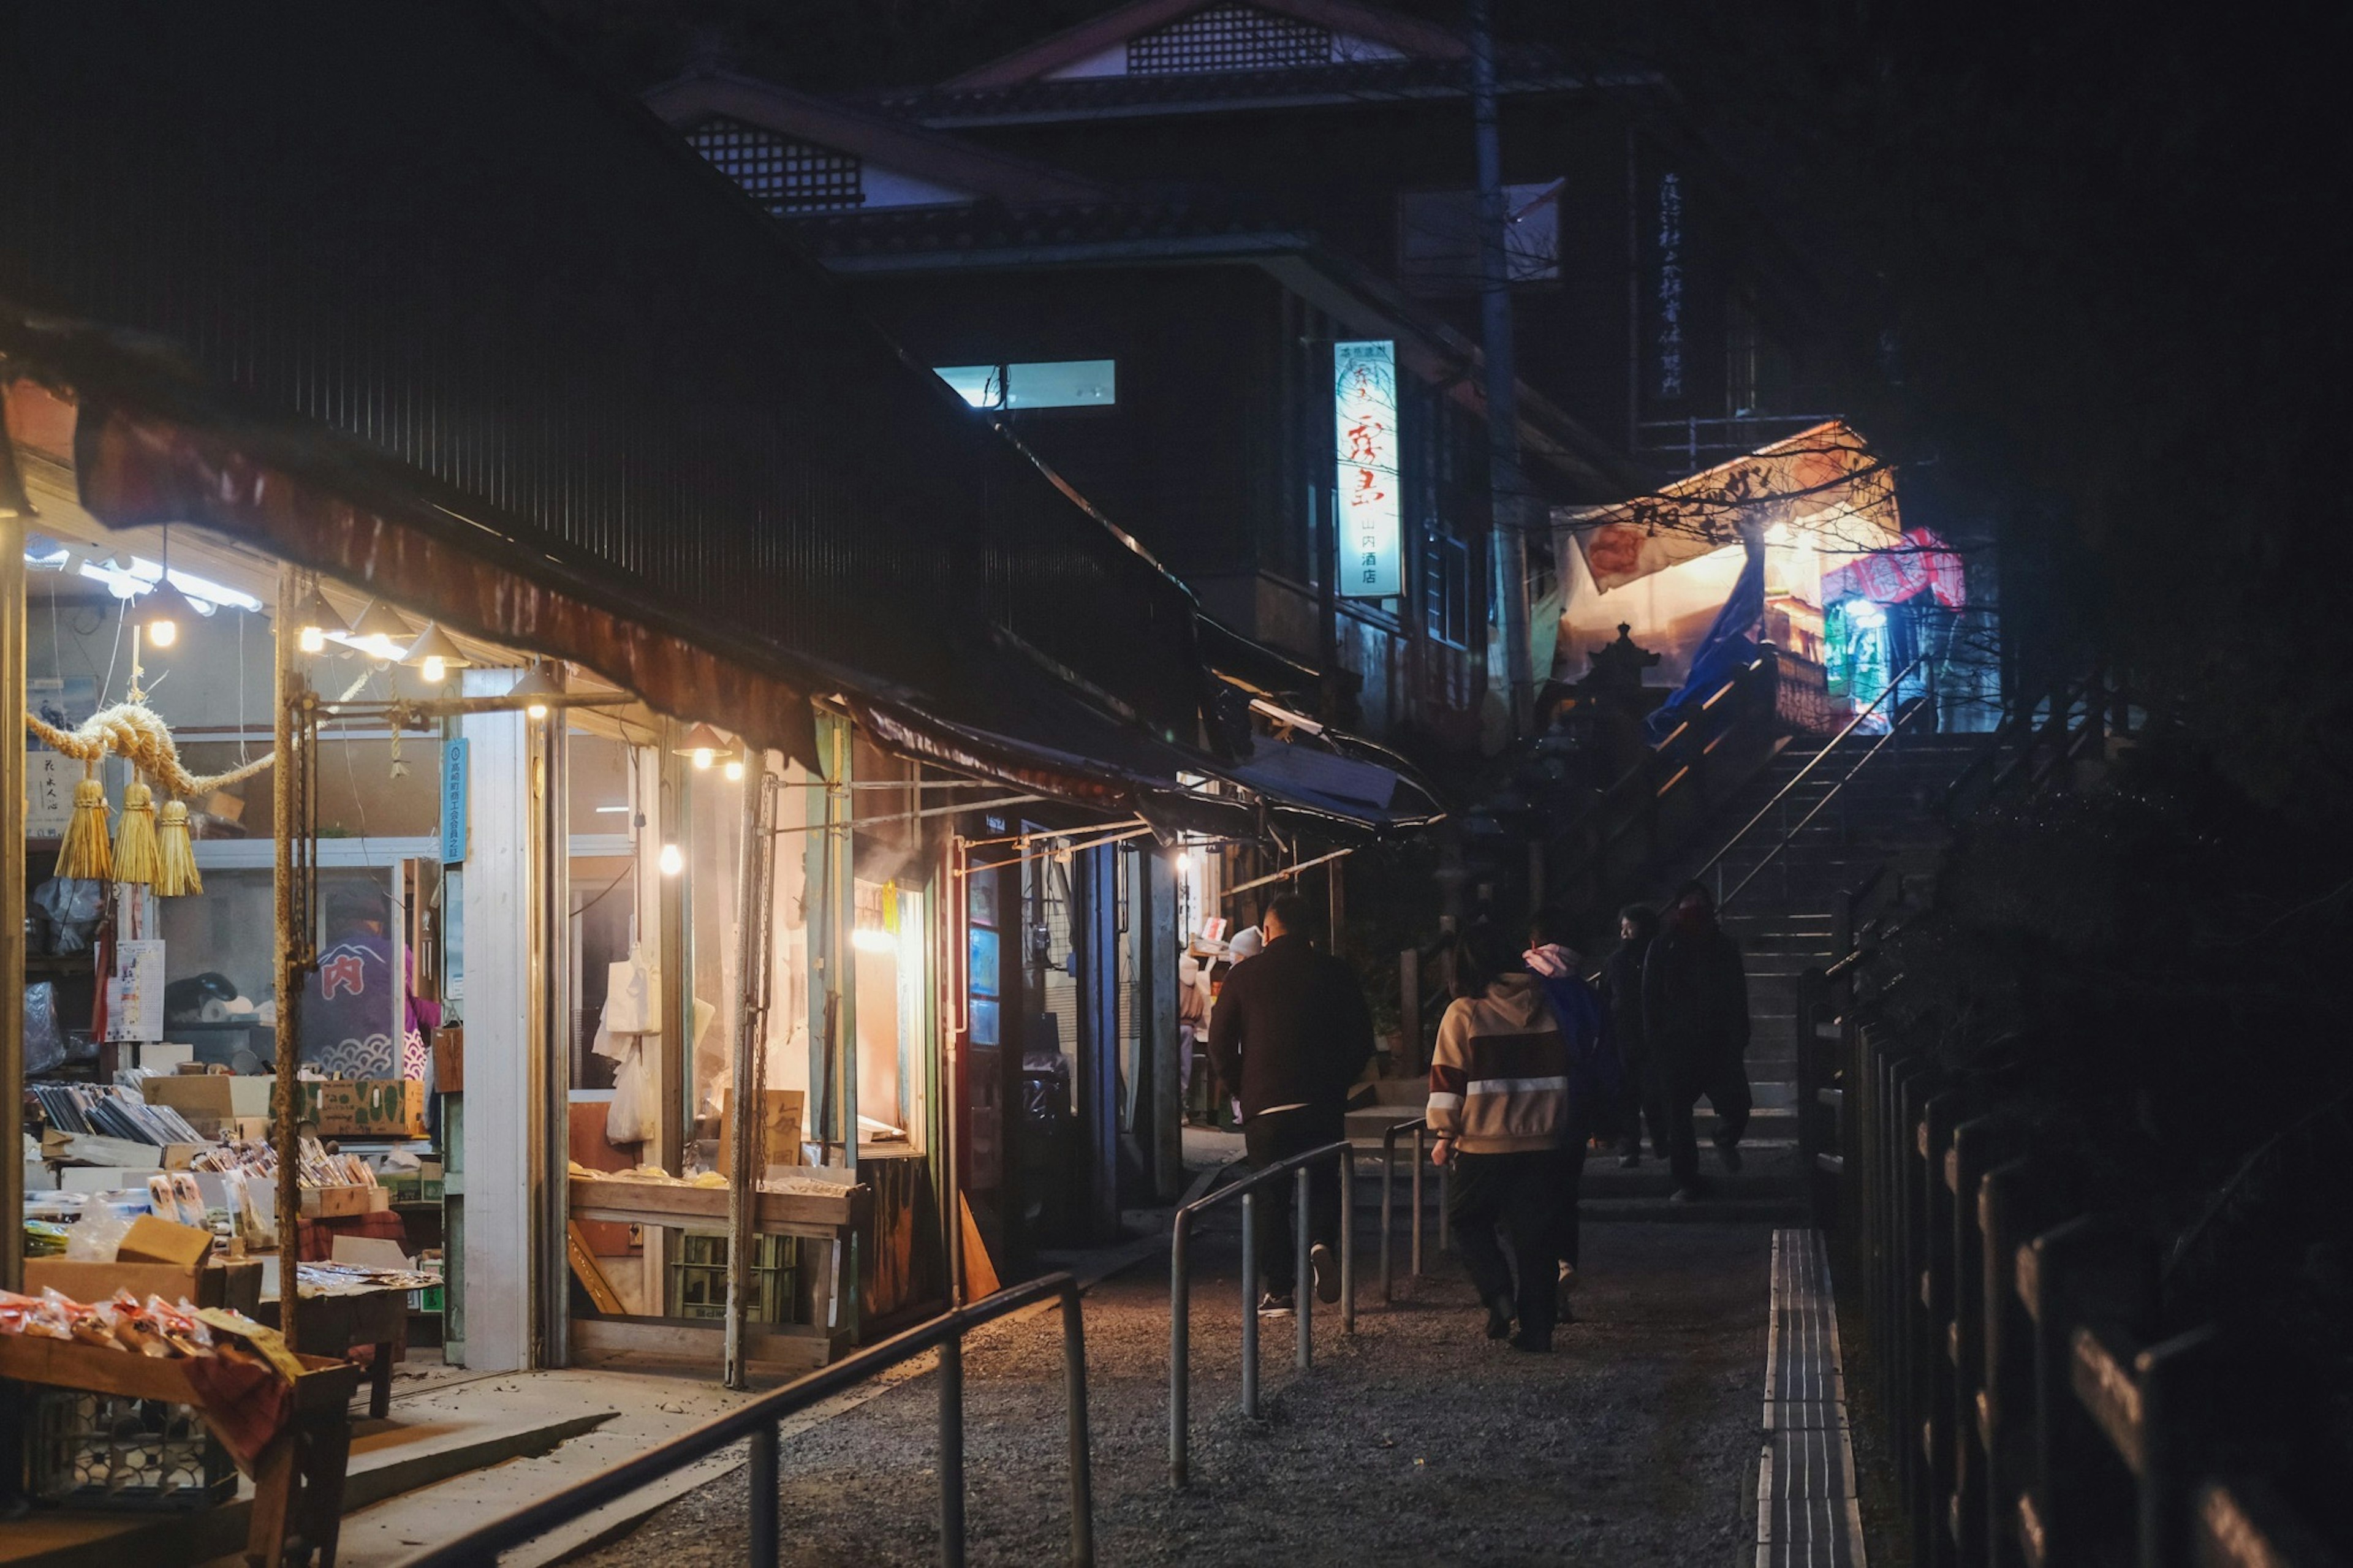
(1363, 398)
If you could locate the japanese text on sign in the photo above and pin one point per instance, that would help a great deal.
(1363, 390)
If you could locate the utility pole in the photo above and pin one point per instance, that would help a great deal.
(1506, 489)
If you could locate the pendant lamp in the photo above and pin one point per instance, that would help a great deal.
(381, 632)
(315, 620)
(435, 653)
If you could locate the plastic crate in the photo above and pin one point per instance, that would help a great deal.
(104, 1450)
(698, 1277)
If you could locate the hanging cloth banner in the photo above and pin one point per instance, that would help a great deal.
(1923, 564)
(1825, 481)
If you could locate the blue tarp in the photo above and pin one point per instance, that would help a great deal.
(1727, 648)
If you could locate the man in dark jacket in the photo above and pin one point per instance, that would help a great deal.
(1291, 1032)
(1621, 991)
(1695, 1023)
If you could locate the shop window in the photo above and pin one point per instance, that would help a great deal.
(1037, 383)
(1446, 588)
(1438, 237)
(781, 174)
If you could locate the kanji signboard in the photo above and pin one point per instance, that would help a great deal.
(1364, 400)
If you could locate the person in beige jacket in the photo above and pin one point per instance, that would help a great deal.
(1499, 1105)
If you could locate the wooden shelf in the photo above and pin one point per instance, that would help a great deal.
(706, 1208)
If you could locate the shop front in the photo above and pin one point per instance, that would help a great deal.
(501, 905)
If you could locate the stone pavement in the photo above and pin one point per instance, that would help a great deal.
(1417, 1441)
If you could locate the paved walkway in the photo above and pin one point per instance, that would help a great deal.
(1419, 1442)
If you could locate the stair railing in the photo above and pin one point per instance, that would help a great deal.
(1819, 758)
(1676, 777)
(1904, 715)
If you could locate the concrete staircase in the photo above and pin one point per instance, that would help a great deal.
(1785, 921)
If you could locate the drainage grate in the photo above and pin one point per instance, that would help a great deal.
(1806, 1511)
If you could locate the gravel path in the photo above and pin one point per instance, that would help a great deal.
(1419, 1442)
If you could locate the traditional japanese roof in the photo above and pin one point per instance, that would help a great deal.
(1360, 25)
(882, 139)
(1224, 92)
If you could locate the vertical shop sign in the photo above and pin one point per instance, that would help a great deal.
(453, 801)
(1363, 398)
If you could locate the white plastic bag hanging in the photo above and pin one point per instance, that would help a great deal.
(633, 995)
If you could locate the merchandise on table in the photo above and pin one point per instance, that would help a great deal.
(111, 1111)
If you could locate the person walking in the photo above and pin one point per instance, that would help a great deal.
(1291, 1032)
(1696, 1021)
(1645, 1096)
(1499, 1104)
(1594, 1090)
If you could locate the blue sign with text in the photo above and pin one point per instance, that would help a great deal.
(453, 801)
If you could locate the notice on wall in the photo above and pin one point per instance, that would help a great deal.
(135, 994)
(1363, 398)
(453, 801)
(49, 780)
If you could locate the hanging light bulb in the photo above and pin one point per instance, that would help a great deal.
(673, 860)
(535, 687)
(381, 632)
(162, 610)
(703, 746)
(314, 619)
(435, 653)
(734, 771)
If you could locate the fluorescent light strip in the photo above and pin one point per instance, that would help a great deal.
(146, 573)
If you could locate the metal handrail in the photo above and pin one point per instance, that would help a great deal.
(1650, 760)
(1819, 758)
(1180, 1285)
(1419, 1127)
(1903, 716)
(758, 1419)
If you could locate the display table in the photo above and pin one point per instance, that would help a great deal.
(820, 1216)
(298, 1473)
(335, 1325)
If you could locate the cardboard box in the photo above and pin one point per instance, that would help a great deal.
(336, 1203)
(449, 1059)
(202, 1097)
(236, 1286)
(784, 1129)
(372, 1108)
(215, 1104)
(152, 1240)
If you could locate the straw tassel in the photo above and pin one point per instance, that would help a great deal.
(175, 869)
(135, 858)
(85, 854)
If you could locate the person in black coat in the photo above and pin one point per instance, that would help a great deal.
(1291, 1032)
(1695, 1025)
(1621, 991)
